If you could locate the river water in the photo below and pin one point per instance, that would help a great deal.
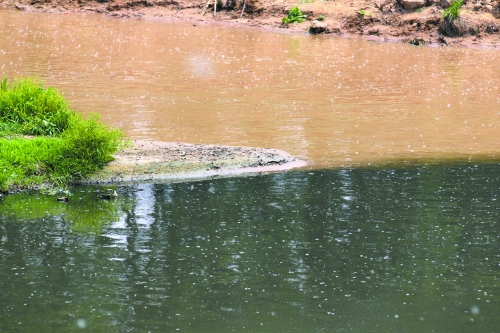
(392, 228)
(330, 101)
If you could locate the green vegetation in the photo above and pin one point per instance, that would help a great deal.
(294, 16)
(452, 12)
(43, 141)
(98, 213)
(453, 25)
(27, 108)
(321, 18)
(419, 10)
(363, 12)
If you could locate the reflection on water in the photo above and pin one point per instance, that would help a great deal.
(332, 101)
(86, 214)
(358, 250)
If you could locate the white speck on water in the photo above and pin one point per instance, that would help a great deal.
(474, 310)
(396, 316)
(81, 323)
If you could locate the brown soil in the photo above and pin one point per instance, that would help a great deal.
(383, 20)
(153, 160)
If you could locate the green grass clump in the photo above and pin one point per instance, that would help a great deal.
(43, 141)
(452, 12)
(294, 16)
(25, 163)
(26, 107)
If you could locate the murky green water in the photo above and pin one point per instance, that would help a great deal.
(352, 250)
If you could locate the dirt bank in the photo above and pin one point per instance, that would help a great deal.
(153, 160)
(412, 21)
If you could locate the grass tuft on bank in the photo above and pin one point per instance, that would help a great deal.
(44, 141)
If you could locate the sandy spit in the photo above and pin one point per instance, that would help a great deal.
(163, 161)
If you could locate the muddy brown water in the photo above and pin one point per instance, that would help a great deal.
(332, 101)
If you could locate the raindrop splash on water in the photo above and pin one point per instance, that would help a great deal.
(81, 323)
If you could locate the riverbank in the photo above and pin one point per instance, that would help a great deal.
(154, 160)
(410, 21)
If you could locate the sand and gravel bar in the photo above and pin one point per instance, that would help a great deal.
(162, 161)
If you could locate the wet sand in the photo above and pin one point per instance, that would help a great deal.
(156, 161)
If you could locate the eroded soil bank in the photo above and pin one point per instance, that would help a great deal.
(412, 21)
(154, 160)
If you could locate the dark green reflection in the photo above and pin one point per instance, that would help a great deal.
(362, 250)
(86, 212)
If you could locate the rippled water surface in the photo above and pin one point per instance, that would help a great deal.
(335, 248)
(331, 101)
(394, 250)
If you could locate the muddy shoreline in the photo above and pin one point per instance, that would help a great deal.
(166, 161)
(382, 20)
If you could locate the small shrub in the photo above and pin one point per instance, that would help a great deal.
(452, 24)
(419, 10)
(321, 18)
(88, 146)
(452, 12)
(294, 16)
